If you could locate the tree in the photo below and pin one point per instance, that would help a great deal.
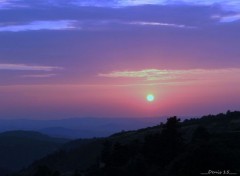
(161, 149)
(46, 171)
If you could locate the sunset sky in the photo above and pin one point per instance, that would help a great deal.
(101, 58)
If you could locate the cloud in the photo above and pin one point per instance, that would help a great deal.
(169, 75)
(124, 3)
(148, 74)
(82, 25)
(39, 76)
(24, 67)
(110, 24)
(39, 25)
(227, 18)
(116, 3)
(142, 23)
(9, 4)
(227, 5)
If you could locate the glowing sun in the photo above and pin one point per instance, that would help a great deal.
(150, 97)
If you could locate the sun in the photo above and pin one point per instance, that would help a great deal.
(150, 97)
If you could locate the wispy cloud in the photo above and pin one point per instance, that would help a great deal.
(168, 75)
(82, 25)
(39, 25)
(227, 18)
(108, 24)
(25, 67)
(116, 3)
(228, 5)
(39, 76)
(145, 23)
(8, 4)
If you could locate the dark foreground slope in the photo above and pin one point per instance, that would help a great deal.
(195, 146)
(20, 148)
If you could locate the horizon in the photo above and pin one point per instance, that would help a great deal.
(162, 117)
(74, 128)
(118, 59)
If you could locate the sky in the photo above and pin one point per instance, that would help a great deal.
(91, 58)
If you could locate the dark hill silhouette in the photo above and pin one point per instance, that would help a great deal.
(76, 128)
(175, 148)
(18, 149)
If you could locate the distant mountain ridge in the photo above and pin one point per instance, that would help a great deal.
(79, 127)
(31, 135)
(20, 148)
(73, 133)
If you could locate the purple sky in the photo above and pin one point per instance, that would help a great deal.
(77, 58)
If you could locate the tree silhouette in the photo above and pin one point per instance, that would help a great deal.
(160, 149)
(46, 171)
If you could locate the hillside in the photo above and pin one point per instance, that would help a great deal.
(20, 148)
(175, 148)
(75, 128)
